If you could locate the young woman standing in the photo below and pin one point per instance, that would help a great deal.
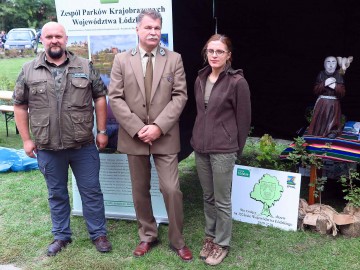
(219, 134)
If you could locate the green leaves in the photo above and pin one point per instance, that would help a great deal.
(319, 186)
(350, 188)
(267, 149)
(26, 13)
(300, 156)
(263, 153)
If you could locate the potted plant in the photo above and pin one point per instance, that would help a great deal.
(318, 217)
(349, 220)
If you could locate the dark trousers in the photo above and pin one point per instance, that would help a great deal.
(85, 164)
(167, 169)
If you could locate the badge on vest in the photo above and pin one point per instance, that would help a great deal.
(80, 75)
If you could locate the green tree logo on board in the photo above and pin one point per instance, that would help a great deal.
(268, 191)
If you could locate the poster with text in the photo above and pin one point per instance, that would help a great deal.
(116, 186)
(266, 197)
(99, 29)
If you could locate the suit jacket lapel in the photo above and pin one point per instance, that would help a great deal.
(135, 61)
(158, 70)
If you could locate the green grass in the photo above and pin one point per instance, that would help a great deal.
(13, 140)
(10, 68)
(25, 227)
(25, 233)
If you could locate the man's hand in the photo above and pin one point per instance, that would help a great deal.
(149, 133)
(30, 148)
(101, 141)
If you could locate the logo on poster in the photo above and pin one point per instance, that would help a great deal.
(291, 181)
(243, 172)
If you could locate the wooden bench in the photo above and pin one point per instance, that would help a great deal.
(8, 111)
(6, 95)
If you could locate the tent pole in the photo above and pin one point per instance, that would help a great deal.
(214, 16)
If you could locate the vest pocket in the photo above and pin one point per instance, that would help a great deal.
(83, 124)
(38, 95)
(81, 95)
(40, 128)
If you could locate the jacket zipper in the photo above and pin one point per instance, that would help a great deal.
(59, 101)
(205, 108)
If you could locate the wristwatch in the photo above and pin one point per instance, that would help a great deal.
(102, 132)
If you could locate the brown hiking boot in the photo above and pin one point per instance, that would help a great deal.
(207, 247)
(56, 246)
(217, 255)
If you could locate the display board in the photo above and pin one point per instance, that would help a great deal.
(99, 29)
(266, 197)
(116, 186)
(109, 26)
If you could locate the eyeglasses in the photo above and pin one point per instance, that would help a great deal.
(217, 52)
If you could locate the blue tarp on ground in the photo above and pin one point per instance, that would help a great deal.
(16, 160)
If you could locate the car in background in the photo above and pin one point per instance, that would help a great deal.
(21, 39)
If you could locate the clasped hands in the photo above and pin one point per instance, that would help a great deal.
(330, 82)
(149, 133)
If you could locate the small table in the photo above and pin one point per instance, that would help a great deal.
(343, 148)
(7, 110)
(6, 95)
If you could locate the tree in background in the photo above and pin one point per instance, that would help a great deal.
(26, 13)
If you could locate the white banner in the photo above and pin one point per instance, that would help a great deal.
(107, 24)
(266, 197)
(98, 29)
(116, 186)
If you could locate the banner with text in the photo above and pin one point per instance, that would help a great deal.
(99, 29)
(117, 19)
(116, 186)
(266, 197)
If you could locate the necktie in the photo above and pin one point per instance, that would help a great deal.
(148, 79)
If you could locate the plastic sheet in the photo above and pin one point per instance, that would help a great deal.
(16, 160)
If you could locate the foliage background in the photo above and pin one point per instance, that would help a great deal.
(26, 13)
